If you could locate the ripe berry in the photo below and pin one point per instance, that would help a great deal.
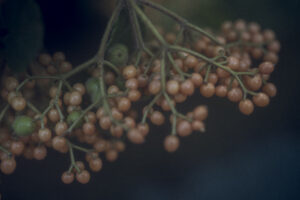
(75, 98)
(95, 164)
(18, 103)
(261, 99)
(8, 166)
(171, 143)
(111, 155)
(157, 118)
(235, 95)
(200, 113)
(40, 153)
(61, 128)
(187, 87)
(184, 128)
(172, 87)
(83, 177)
(59, 143)
(124, 104)
(196, 79)
(67, 177)
(266, 67)
(45, 134)
(154, 87)
(88, 128)
(221, 91)
(129, 72)
(270, 89)
(135, 136)
(246, 106)
(207, 90)
(17, 147)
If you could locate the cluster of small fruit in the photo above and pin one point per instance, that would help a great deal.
(48, 110)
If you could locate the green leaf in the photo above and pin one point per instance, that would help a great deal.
(23, 22)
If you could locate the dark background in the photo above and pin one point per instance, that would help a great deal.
(239, 157)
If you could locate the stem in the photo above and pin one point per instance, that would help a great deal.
(5, 109)
(149, 106)
(112, 66)
(147, 21)
(81, 148)
(72, 158)
(33, 108)
(108, 30)
(179, 19)
(179, 71)
(5, 150)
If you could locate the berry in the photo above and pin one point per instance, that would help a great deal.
(118, 54)
(8, 166)
(171, 143)
(261, 99)
(23, 125)
(67, 177)
(246, 106)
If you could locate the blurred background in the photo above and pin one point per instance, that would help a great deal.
(239, 157)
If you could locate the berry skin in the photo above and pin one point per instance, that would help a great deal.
(45, 134)
(187, 87)
(40, 153)
(184, 128)
(129, 72)
(118, 54)
(67, 177)
(270, 89)
(171, 143)
(17, 147)
(23, 125)
(235, 95)
(246, 107)
(200, 113)
(157, 118)
(111, 155)
(95, 164)
(266, 67)
(172, 87)
(124, 104)
(261, 99)
(135, 136)
(207, 90)
(8, 166)
(18, 103)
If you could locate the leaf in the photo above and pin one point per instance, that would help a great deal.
(24, 39)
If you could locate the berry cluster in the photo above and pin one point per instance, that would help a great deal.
(97, 112)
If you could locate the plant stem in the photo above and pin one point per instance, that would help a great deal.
(4, 110)
(147, 21)
(4, 150)
(179, 19)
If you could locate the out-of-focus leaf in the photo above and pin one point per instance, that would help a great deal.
(23, 22)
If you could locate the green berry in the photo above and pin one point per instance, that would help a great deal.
(118, 55)
(74, 116)
(92, 85)
(23, 125)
